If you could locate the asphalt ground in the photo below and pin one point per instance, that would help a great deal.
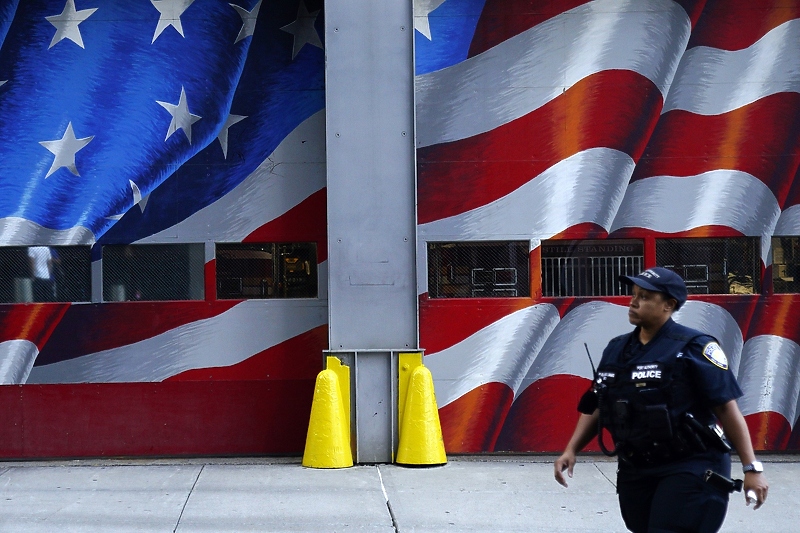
(469, 493)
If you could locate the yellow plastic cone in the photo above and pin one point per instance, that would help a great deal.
(328, 439)
(421, 440)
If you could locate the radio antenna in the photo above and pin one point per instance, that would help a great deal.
(594, 372)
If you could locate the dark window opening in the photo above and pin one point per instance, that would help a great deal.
(45, 274)
(478, 270)
(267, 270)
(589, 267)
(153, 272)
(785, 262)
(714, 265)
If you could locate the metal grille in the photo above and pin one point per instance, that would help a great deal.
(714, 265)
(587, 276)
(478, 270)
(45, 274)
(589, 268)
(267, 270)
(153, 272)
(786, 264)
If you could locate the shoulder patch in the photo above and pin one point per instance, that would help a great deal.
(713, 352)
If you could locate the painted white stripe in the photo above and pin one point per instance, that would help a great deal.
(292, 173)
(729, 198)
(586, 187)
(788, 222)
(596, 323)
(498, 353)
(770, 376)
(16, 360)
(710, 81)
(529, 70)
(16, 231)
(717, 322)
(229, 338)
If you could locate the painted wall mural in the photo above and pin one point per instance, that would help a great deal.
(593, 119)
(200, 121)
(167, 121)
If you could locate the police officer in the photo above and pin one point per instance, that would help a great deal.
(657, 392)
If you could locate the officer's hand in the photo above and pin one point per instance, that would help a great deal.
(565, 462)
(757, 483)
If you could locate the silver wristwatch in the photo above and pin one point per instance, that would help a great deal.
(755, 466)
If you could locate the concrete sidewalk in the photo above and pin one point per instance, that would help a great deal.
(486, 493)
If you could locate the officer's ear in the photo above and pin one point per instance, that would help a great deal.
(671, 304)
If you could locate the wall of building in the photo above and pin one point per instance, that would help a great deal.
(566, 120)
(603, 119)
(161, 123)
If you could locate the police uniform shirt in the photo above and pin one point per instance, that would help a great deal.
(708, 365)
(707, 369)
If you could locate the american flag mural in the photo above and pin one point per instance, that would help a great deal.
(162, 121)
(593, 119)
(203, 121)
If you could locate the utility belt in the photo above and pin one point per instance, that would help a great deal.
(664, 441)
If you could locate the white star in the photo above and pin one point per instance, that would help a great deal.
(303, 29)
(67, 24)
(248, 21)
(137, 196)
(223, 134)
(171, 11)
(137, 199)
(422, 8)
(65, 149)
(182, 119)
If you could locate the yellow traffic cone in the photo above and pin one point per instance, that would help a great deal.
(421, 440)
(328, 439)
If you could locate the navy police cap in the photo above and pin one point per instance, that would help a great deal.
(661, 280)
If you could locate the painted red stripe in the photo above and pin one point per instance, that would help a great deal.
(584, 230)
(297, 358)
(762, 139)
(615, 109)
(186, 418)
(737, 24)
(543, 417)
(769, 431)
(777, 315)
(793, 197)
(91, 328)
(699, 232)
(502, 19)
(794, 439)
(305, 222)
(472, 423)
(444, 322)
(693, 8)
(32, 322)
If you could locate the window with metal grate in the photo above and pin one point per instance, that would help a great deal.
(729, 265)
(45, 274)
(479, 269)
(589, 267)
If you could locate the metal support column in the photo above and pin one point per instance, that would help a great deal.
(369, 86)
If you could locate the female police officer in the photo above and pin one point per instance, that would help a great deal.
(657, 392)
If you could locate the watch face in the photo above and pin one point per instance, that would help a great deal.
(756, 466)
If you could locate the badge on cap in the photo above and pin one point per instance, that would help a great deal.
(714, 353)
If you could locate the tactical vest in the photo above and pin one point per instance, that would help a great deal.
(644, 404)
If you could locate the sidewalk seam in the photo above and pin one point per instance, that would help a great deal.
(180, 516)
(613, 484)
(388, 503)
